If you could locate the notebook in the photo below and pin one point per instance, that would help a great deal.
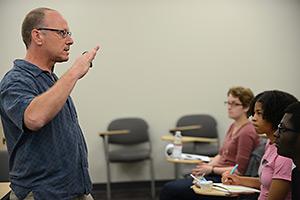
(234, 188)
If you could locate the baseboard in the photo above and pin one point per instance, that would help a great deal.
(129, 185)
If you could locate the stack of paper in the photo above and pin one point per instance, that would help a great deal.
(234, 188)
(187, 156)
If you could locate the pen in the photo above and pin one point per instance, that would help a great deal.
(234, 168)
(194, 177)
(232, 171)
(197, 179)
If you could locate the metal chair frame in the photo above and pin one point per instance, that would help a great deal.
(106, 136)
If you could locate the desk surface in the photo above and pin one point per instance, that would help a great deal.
(184, 161)
(213, 192)
(190, 139)
(4, 189)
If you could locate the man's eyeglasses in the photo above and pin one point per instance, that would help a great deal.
(282, 129)
(233, 104)
(62, 33)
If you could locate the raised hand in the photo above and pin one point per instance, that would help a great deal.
(82, 63)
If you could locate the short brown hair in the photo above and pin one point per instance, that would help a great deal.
(34, 19)
(245, 95)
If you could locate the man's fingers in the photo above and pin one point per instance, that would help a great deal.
(97, 48)
(91, 54)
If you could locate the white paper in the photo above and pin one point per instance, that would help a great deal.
(184, 156)
(234, 188)
(187, 156)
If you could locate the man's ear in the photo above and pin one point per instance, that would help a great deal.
(36, 37)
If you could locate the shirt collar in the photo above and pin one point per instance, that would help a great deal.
(29, 67)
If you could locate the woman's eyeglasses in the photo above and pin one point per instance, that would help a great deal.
(233, 104)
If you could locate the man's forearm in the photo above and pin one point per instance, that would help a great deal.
(45, 107)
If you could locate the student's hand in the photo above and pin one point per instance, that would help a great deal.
(231, 179)
(201, 169)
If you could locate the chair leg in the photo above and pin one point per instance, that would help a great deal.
(152, 179)
(108, 189)
(105, 145)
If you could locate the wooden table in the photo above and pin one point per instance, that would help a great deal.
(220, 189)
(213, 192)
(4, 189)
(181, 161)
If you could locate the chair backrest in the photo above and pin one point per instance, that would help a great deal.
(252, 169)
(255, 158)
(4, 169)
(138, 131)
(207, 122)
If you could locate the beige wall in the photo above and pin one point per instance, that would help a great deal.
(161, 59)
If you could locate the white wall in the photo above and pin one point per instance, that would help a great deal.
(161, 59)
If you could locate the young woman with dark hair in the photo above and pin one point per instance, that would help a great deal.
(274, 179)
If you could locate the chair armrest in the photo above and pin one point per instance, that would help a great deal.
(201, 139)
(184, 161)
(186, 139)
(4, 190)
(185, 128)
(114, 132)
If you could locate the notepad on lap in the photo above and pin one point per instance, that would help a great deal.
(187, 156)
(234, 188)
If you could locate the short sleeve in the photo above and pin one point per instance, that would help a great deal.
(16, 95)
(283, 168)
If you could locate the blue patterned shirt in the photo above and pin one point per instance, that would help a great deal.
(51, 162)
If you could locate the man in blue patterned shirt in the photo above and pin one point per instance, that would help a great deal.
(48, 153)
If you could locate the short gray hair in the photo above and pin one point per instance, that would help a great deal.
(33, 19)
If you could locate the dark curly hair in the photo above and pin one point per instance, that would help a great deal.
(294, 109)
(273, 102)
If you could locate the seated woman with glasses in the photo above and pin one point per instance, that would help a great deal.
(274, 179)
(241, 139)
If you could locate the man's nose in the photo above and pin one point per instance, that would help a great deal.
(70, 40)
